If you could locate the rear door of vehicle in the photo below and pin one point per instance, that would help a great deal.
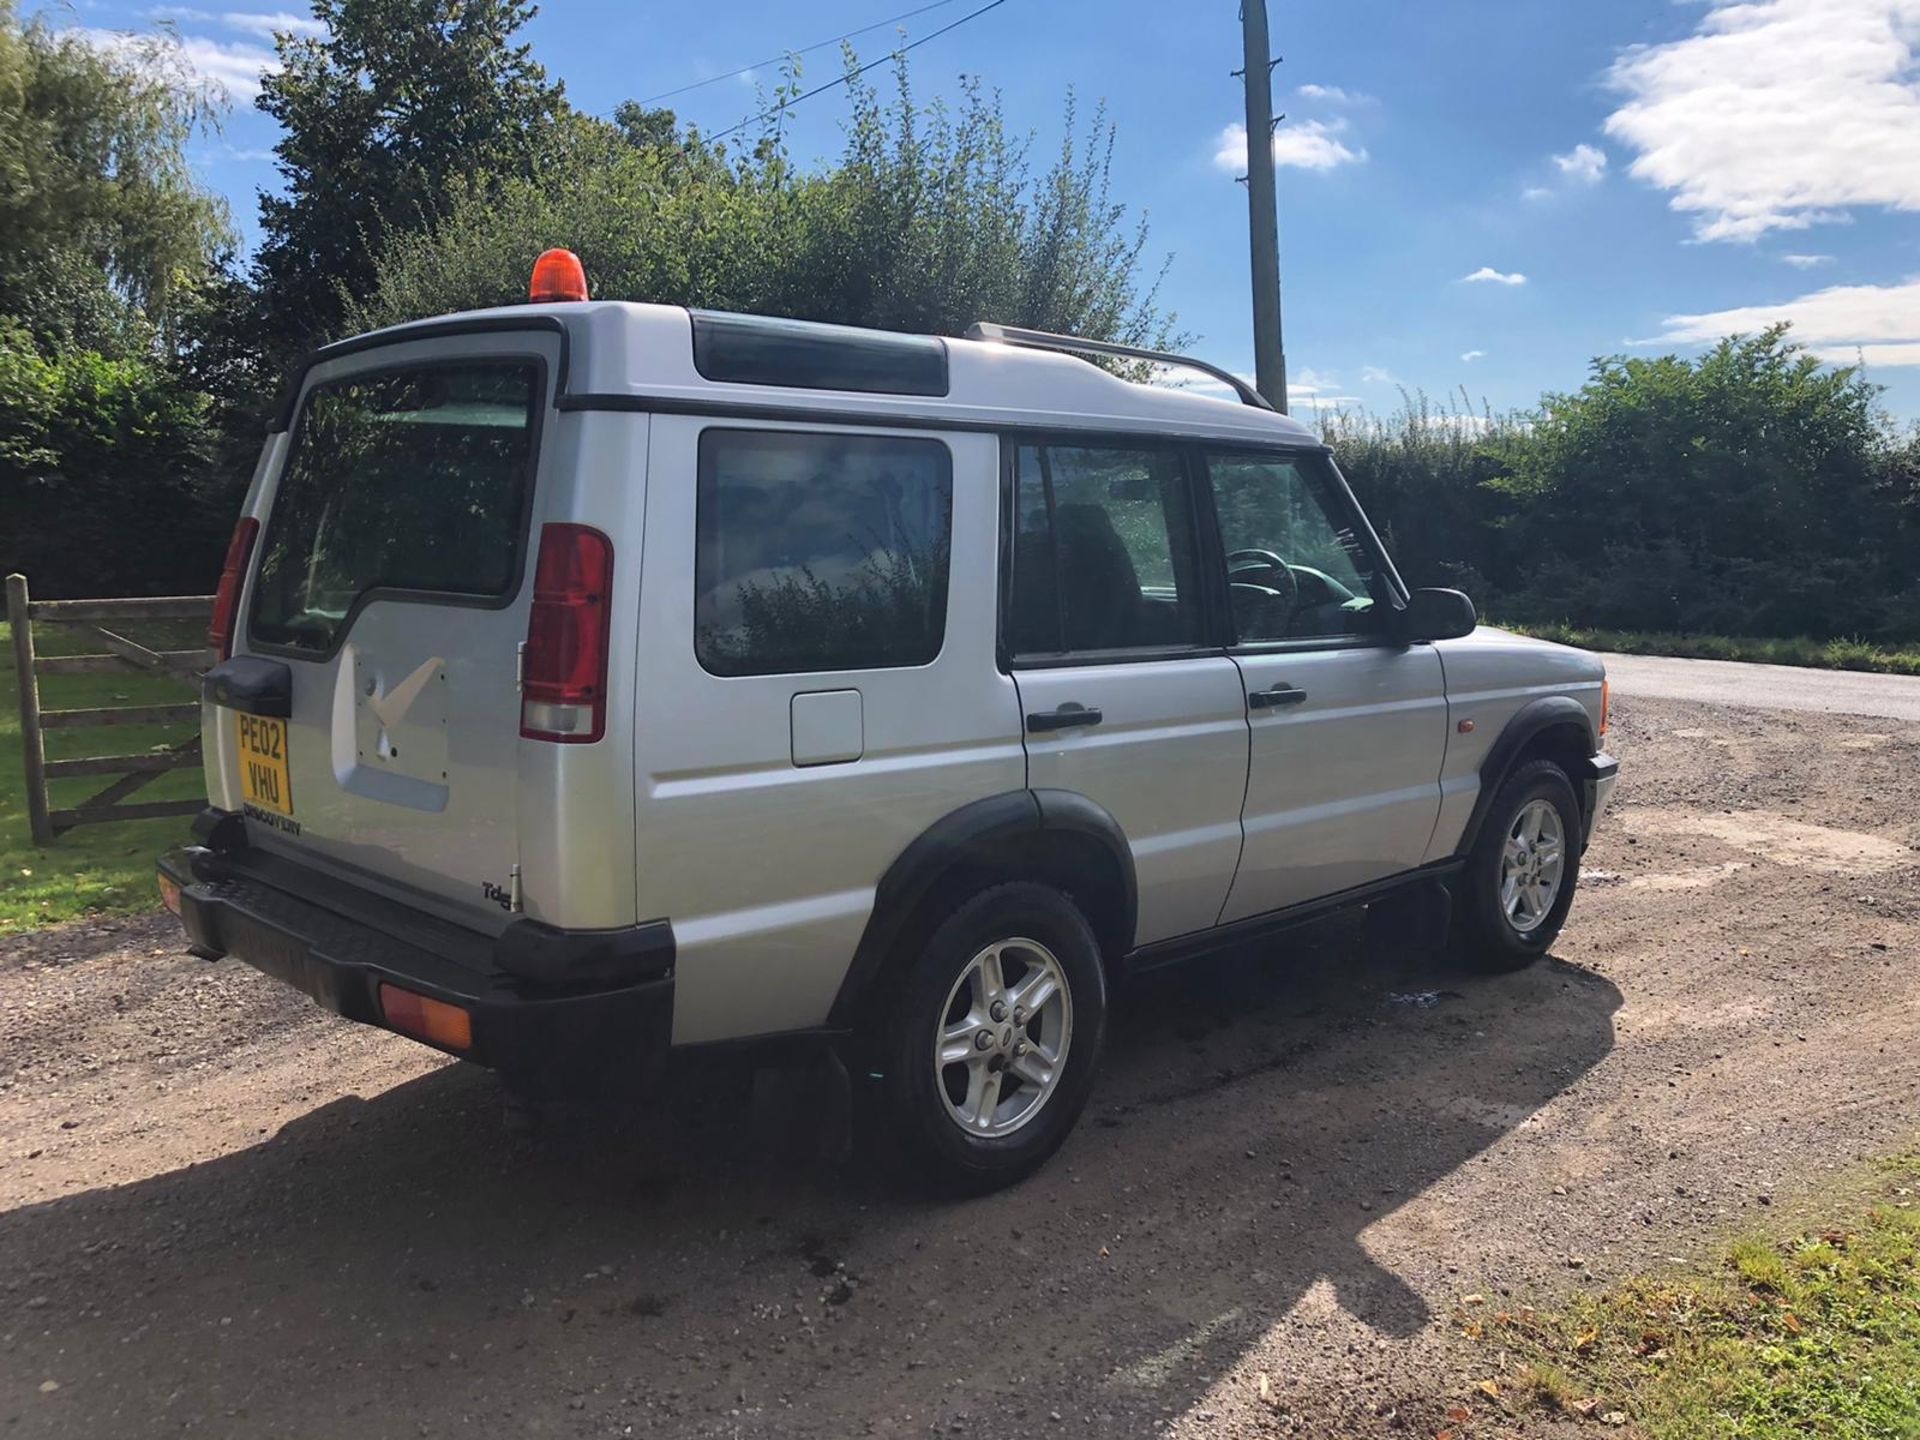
(1126, 695)
(392, 577)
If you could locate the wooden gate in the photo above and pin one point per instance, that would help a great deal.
(117, 654)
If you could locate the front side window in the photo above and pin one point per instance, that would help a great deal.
(1103, 551)
(1295, 567)
(410, 479)
(818, 551)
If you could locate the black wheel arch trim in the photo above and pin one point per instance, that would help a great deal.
(1536, 717)
(971, 832)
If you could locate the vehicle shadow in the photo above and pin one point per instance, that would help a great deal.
(400, 1265)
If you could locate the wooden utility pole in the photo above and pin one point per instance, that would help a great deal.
(1269, 350)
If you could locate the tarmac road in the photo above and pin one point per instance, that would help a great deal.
(1766, 687)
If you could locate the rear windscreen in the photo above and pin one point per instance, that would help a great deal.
(410, 479)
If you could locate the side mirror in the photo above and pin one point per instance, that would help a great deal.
(1437, 615)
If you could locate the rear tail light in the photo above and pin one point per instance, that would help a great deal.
(233, 574)
(563, 677)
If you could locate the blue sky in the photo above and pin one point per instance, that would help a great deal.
(1473, 193)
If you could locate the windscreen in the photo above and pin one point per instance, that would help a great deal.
(414, 480)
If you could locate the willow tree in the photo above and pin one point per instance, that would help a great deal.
(102, 224)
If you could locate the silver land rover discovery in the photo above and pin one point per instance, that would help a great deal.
(601, 680)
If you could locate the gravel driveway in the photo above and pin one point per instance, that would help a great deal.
(224, 1213)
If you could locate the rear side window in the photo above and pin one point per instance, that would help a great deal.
(1103, 551)
(415, 480)
(818, 551)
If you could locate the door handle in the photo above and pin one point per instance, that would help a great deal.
(1067, 717)
(1278, 696)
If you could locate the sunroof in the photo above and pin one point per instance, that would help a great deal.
(758, 350)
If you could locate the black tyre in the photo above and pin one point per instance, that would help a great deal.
(993, 1039)
(1519, 880)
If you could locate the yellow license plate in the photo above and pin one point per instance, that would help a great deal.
(263, 764)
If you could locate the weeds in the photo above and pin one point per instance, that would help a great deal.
(1816, 1333)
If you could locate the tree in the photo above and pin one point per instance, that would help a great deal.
(931, 219)
(102, 225)
(397, 99)
(104, 482)
(1752, 491)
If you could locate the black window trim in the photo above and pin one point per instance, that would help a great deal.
(1349, 508)
(946, 614)
(542, 401)
(712, 331)
(1204, 544)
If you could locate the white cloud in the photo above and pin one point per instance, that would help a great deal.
(1333, 95)
(268, 26)
(1303, 145)
(1538, 192)
(1777, 114)
(1582, 165)
(1467, 357)
(1872, 355)
(1842, 323)
(1486, 274)
(1377, 375)
(192, 61)
(1807, 262)
(236, 67)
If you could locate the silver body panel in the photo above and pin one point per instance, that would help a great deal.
(1168, 761)
(767, 867)
(403, 744)
(1345, 786)
(1491, 675)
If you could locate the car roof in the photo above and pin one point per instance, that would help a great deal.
(627, 355)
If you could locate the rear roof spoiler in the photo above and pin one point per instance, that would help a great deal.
(418, 330)
(1074, 345)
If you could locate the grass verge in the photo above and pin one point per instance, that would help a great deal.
(1811, 654)
(93, 869)
(1810, 1333)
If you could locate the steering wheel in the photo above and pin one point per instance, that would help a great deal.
(1264, 593)
(1276, 575)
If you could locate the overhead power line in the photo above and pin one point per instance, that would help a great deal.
(803, 50)
(858, 71)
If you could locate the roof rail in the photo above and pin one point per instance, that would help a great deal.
(1073, 345)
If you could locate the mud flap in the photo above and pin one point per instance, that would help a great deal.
(803, 1108)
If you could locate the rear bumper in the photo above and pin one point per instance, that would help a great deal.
(338, 945)
(1602, 774)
